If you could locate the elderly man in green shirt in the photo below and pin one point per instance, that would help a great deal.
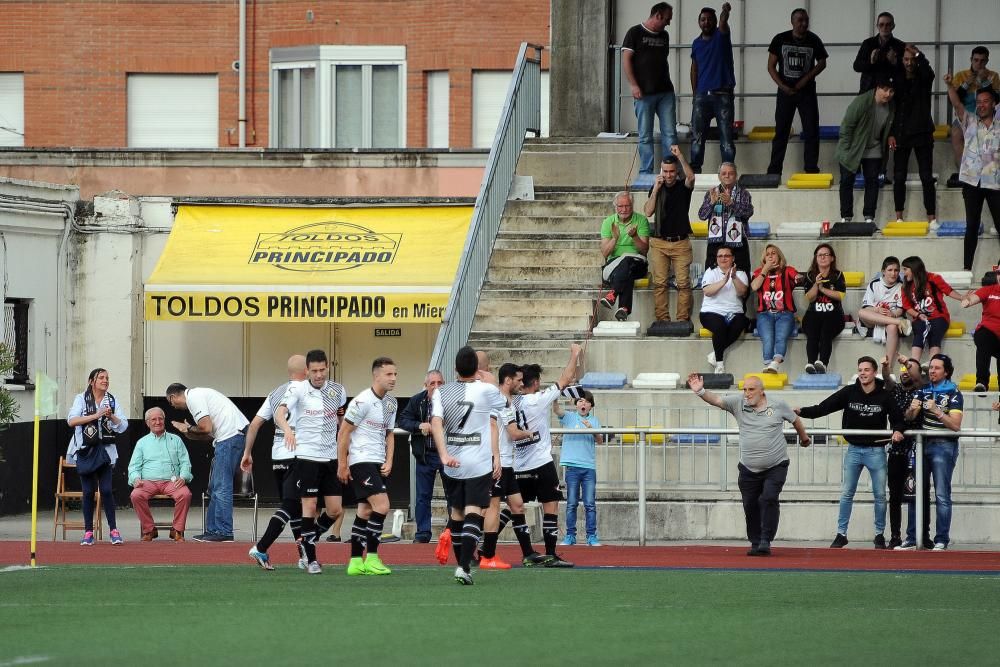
(864, 144)
(624, 243)
(160, 466)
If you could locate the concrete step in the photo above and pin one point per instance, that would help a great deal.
(554, 275)
(518, 322)
(546, 256)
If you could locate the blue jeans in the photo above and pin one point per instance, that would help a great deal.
(708, 106)
(664, 106)
(581, 480)
(219, 515)
(940, 456)
(424, 478)
(856, 458)
(774, 330)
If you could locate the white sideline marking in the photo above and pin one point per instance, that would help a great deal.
(17, 568)
(25, 660)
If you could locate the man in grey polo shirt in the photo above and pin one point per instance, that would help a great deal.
(763, 454)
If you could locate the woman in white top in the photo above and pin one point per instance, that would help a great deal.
(723, 288)
(882, 308)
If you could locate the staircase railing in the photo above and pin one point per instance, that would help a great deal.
(521, 114)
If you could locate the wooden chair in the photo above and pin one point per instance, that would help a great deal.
(64, 497)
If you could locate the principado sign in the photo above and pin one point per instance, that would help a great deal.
(249, 264)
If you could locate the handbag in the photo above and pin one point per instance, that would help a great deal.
(93, 455)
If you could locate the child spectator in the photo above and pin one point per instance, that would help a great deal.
(579, 459)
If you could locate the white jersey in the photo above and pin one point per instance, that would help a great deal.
(278, 450)
(506, 416)
(313, 417)
(227, 420)
(373, 418)
(468, 409)
(532, 412)
(878, 295)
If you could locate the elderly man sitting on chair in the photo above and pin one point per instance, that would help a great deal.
(160, 466)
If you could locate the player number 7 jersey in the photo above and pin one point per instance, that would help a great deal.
(467, 410)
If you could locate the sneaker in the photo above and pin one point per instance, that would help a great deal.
(720, 367)
(116, 537)
(375, 566)
(260, 558)
(443, 547)
(621, 314)
(846, 219)
(980, 388)
(772, 367)
(609, 299)
(839, 542)
(711, 358)
(556, 561)
(894, 542)
(940, 546)
(905, 546)
(88, 539)
(356, 567)
(463, 577)
(880, 541)
(314, 568)
(569, 540)
(217, 538)
(869, 221)
(933, 226)
(493, 564)
(592, 541)
(535, 559)
(752, 551)
(820, 367)
(953, 181)
(811, 369)
(764, 548)
(389, 537)
(333, 538)
(422, 538)
(905, 326)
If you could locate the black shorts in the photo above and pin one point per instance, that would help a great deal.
(317, 478)
(935, 334)
(367, 480)
(285, 479)
(474, 491)
(506, 486)
(541, 484)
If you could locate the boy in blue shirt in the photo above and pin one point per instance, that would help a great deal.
(579, 459)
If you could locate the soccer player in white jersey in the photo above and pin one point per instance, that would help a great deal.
(465, 432)
(310, 422)
(282, 464)
(366, 447)
(533, 465)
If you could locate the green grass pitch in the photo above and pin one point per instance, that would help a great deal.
(228, 615)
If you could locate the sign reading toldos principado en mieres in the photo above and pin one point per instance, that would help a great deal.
(250, 264)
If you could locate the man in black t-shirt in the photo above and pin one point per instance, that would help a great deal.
(794, 60)
(644, 59)
(670, 200)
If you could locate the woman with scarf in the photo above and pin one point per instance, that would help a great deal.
(96, 418)
(728, 208)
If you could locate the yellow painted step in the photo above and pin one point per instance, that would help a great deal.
(955, 330)
(700, 229)
(770, 380)
(704, 333)
(968, 383)
(854, 278)
(794, 184)
(941, 132)
(652, 438)
(641, 283)
(762, 133)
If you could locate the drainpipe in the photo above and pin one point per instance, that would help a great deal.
(243, 75)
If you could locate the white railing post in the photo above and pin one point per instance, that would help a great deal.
(642, 489)
(918, 488)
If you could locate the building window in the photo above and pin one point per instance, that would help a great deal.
(437, 110)
(489, 90)
(11, 109)
(338, 97)
(173, 111)
(15, 337)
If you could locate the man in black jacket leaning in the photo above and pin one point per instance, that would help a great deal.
(415, 418)
(867, 405)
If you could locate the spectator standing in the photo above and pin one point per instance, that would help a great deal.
(669, 244)
(774, 281)
(624, 244)
(578, 458)
(923, 299)
(900, 453)
(724, 289)
(987, 333)
(763, 464)
(416, 418)
(728, 208)
(980, 170)
(967, 83)
(882, 308)
(645, 59)
(160, 465)
(825, 287)
(913, 131)
(864, 138)
(880, 57)
(795, 58)
(713, 80)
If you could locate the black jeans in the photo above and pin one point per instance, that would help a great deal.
(897, 466)
(974, 197)
(870, 167)
(820, 330)
(724, 333)
(901, 161)
(760, 492)
(622, 279)
(987, 349)
(785, 107)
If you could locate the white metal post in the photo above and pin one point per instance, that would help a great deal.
(642, 489)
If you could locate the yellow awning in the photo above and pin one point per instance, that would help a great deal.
(250, 264)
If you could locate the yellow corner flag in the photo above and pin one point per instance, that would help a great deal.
(46, 395)
(46, 403)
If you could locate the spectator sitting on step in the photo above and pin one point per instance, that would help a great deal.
(825, 287)
(728, 209)
(987, 333)
(724, 288)
(864, 140)
(624, 243)
(923, 299)
(160, 465)
(967, 83)
(913, 130)
(882, 308)
(774, 281)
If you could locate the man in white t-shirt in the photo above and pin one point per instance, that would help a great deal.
(533, 465)
(216, 419)
(366, 447)
(463, 421)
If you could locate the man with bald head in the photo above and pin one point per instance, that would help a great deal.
(160, 465)
(416, 418)
(763, 462)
